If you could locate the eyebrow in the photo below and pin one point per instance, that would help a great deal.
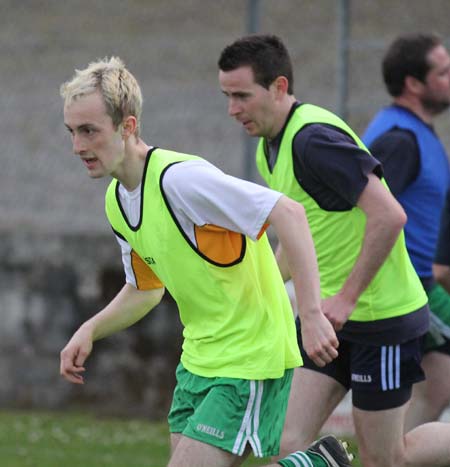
(80, 127)
(237, 93)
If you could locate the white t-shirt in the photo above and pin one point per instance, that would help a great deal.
(199, 194)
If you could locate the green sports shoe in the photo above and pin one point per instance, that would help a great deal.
(332, 451)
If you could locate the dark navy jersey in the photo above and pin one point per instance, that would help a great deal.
(398, 151)
(329, 165)
(333, 170)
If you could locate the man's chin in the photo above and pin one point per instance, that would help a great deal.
(95, 175)
(436, 108)
(251, 131)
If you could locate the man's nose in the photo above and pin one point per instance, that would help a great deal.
(78, 147)
(233, 107)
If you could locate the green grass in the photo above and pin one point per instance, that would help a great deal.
(35, 439)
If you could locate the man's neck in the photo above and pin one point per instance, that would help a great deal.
(132, 169)
(415, 106)
(282, 114)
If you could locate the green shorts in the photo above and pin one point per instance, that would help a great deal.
(231, 413)
(439, 334)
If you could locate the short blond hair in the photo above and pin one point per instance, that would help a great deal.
(118, 87)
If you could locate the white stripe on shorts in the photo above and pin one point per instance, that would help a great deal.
(254, 440)
(390, 367)
(248, 431)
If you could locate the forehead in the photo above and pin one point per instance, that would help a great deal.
(86, 109)
(439, 57)
(239, 78)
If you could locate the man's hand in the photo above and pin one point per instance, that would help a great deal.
(125, 309)
(319, 339)
(337, 309)
(75, 354)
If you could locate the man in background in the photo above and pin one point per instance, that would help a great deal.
(416, 72)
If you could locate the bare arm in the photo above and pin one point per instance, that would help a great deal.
(385, 219)
(282, 263)
(128, 307)
(289, 220)
(441, 273)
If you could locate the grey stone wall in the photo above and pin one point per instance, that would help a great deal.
(49, 285)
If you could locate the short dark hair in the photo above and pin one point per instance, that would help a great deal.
(265, 54)
(407, 56)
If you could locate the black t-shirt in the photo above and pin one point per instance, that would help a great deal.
(398, 151)
(328, 165)
(331, 167)
(333, 170)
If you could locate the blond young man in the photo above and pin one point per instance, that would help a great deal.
(184, 225)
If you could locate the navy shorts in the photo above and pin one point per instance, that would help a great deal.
(380, 376)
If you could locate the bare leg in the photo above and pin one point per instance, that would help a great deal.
(382, 443)
(174, 440)
(432, 396)
(380, 436)
(191, 453)
(313, 398)
(188, 452)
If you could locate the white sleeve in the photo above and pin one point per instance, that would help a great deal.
(130, 277)
(205, 195)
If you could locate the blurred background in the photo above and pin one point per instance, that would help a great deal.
(59, 262)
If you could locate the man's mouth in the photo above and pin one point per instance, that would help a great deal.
(89, 162)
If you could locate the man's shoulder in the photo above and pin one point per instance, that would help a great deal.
(402, 139)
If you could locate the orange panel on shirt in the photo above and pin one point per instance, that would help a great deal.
(218, 244)
(263, 229)
(146, 279)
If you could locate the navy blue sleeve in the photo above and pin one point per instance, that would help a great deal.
(443, 245)
(331, 167)
(398, 151)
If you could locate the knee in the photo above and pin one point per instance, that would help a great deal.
(293, 440)
(437, 398)
(379, 456)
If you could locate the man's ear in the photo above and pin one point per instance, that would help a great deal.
(414, 85)
(281, 85)
(129, 126)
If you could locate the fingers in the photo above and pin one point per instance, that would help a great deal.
(73, 376)
(325, 353)
(324, 356)
(71, 366)
(337, 325)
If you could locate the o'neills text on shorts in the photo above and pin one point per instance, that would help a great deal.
(210, 430)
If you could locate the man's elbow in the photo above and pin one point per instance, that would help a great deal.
(441, 273)
(398, 219)
(286, 209)
(159, 295)
(154, 297)
(403, 218)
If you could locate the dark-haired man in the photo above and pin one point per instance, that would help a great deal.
(371, 293)
(416, 72)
